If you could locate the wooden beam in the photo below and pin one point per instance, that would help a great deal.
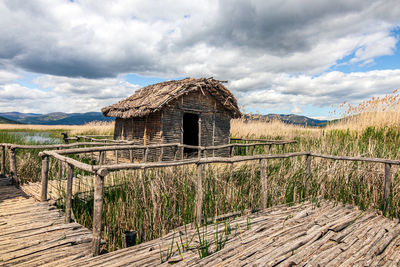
(68, 201)
(97, 213)
(263, 177)
(387, 186)
(307, 175)
(13, 166)
(45, 177)
(199, 194)
(3, 160)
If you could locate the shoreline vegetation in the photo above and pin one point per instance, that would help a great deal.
(156, 201)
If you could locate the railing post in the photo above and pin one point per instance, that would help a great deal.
(307, 175)
(199, 194)
(102, 157)
(283, 148)
(116, 156)
(254, 150)
(13, 166)
(68, 204)
(60, 169)
(161, 153)
(3, 161)
(263, 176)
(97, 213)
(232, 152)
(146, 154)
(387, 186)
(131, 155)
(45, 177)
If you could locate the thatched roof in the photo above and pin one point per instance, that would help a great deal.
(154, 97)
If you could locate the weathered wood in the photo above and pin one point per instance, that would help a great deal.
(78, 164)
(307, 175)
(376, 160)
(199, 194)
(13, 166)
(131, 155)
(146, 154)
(68, 201)
(102, 155)
(45, 177)
(3, 161)
(387, 186)
(97, 214)
(263, 177)
(116, 156)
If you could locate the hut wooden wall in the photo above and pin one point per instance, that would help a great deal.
(166, 126)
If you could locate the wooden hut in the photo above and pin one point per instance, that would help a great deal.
(188, 111)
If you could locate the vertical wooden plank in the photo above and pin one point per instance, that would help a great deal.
(97, 213)
(232, 151)
(307, 175)
(45, 177)
(387, 186)
(263, 176)
(3, 161)
(283, 148)
(60, 167)
(102, 157)
(13, 166)
(254, 150)
(68, 201)
(247, 148)
(199, 194)
(161, 154)
(213, 129)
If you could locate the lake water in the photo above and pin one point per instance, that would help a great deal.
(37, 137)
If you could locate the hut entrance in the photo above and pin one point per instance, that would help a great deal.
(190, 132)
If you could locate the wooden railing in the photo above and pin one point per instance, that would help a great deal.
(101, 170)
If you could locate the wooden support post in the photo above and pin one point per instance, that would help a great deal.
(263, 176)
(176, 152)
(131, 155)
(254, 150)
(387, 186)
(116, 156)
(247, 149)
(3, 161)
(161, 154)
(307, 175)
(283, 148)
(97, 213)
(66, 141)
(102, 157)
(232, 152)
(13, 166)
(199, 194)
(68, 201)
(45, 178)
(199, 136)
(146, 154)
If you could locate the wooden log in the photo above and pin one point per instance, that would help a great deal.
(161, 154)
(3, 161)
(45, 177)
(247, 148)
(263, 176)
(102, 157)
(97, 213)
(131, 155)
(387, 186)
(199, 194)
(307, 175)
(13, 166)
(146, 154)
(283, 148)
(376, 160)
(78, 164)
(116, 156)
(68, 201)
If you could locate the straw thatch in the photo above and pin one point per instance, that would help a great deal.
(154, 97)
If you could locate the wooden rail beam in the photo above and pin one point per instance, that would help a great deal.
(263, 176)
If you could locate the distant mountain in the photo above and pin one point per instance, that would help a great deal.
(56, 118)
(289, 119)
(7, 121)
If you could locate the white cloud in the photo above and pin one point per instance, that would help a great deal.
(268, 50)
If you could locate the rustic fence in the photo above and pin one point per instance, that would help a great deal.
(100, 170)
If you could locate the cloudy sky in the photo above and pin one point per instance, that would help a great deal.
(295, 56)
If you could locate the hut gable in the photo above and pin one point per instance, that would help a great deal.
(153, 98)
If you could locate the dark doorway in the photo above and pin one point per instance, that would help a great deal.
(190, 132)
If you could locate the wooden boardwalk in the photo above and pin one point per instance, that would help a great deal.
(34, 233)
(327, 234)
